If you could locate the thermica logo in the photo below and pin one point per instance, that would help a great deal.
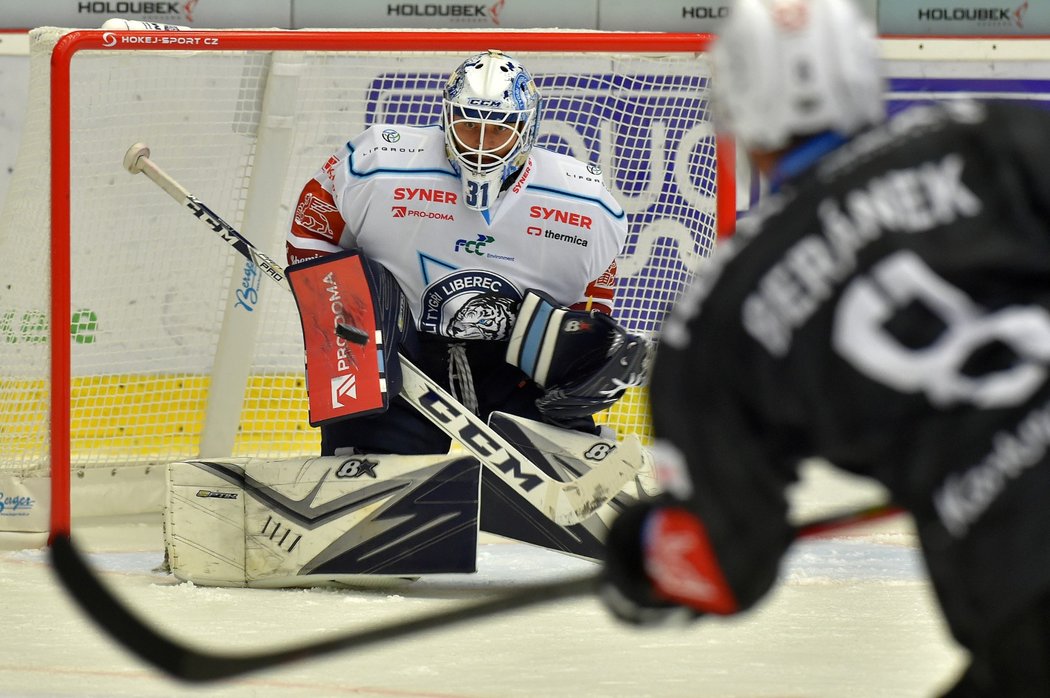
(560, 237)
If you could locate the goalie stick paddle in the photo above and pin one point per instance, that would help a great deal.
(565, 503)
(190, 664)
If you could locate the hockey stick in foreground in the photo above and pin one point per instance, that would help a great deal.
(197, 665)
(565, 503)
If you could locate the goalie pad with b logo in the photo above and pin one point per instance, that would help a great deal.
(317, 521)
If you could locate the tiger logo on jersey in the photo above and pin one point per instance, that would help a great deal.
(483, 317)
(470, 304)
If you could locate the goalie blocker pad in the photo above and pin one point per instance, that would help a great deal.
(359, 520)
(584, 360)
(344, 378)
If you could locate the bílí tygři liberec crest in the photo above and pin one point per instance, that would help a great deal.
(470, 304)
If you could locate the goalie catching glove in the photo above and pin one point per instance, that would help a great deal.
(584, 360)
(660, 567)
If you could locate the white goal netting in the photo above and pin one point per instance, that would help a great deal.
(178, 348)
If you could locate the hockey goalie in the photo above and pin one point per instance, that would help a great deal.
(432, 250)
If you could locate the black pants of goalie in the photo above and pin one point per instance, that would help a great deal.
(1014, 661)
(498, 386)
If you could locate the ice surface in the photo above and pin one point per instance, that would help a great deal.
(853, 617)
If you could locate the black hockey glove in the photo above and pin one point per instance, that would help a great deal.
(660, 568)
(584, 360)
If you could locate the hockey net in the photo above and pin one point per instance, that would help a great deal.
(129, 338)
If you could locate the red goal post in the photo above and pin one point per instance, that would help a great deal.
(634, 104)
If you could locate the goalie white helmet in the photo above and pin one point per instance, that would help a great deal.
(490, 115)
(783, 68)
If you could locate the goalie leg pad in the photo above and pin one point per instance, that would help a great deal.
(345, 378)
(321, 521)
(564, 455)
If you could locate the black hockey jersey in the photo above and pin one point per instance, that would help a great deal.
(888, 309)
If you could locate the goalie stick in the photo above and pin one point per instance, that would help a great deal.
(190, 664)
(565, 503)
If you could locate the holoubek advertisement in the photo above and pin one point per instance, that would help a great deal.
(446, 14)
(211, 14)
(666, 15)
(964, 17)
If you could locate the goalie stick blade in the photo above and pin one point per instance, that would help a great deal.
(564, 503)
(186, 663)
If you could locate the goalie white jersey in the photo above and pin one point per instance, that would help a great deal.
(392, 192)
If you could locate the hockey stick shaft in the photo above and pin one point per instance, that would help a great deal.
(137, 160)
(565, 503)
(198, 665)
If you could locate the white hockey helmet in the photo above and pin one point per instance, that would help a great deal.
(490, 115)
(783, 68)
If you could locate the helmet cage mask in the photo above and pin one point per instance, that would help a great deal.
(493, 100)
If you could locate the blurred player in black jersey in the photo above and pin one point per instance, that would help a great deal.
(886, 309)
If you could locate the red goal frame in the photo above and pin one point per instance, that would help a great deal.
(337, 40)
